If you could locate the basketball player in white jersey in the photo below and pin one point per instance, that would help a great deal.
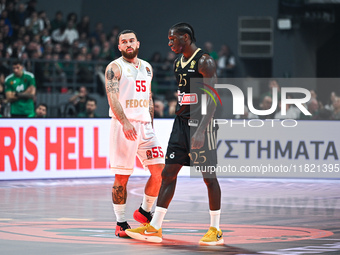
(128, 88)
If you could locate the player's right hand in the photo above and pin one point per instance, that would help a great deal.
(129, 131)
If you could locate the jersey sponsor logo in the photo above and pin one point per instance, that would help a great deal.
(193, 123)
(187, 98)
(191, 70)
(148, 71)
(136, 103)
(172, 155)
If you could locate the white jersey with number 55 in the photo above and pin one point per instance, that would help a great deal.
(134, 89)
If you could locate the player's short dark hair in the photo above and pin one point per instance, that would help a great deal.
(185, 28)
(17, 61)
(126, 31)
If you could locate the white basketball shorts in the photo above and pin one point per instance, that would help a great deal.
(123, 152)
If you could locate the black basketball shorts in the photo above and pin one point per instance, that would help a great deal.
(179, 147)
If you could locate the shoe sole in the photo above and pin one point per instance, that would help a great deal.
(122, 235)
(219, 242)
(153, 239)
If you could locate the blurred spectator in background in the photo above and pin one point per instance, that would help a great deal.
(79, 99)
(40, 111)
(2, 88)
(313, 108)
(272, 84)
(90, 112)
(114, 44)
(31, 6)
(84, 25)
(7, 21)
(209, 48)
(58, 35)
(68, 67)
(266, 104)
(336, 109)
(7, 37)
(247, 114)
(72, 16)
(45, 36)
(20, 91)
(292, 112)
(329, 106)
(167, 68)
(98, 30)
(46, 68)
(2, 5)
(83, 41)
(95, 52)
(43, 16)
(83, 69)
(171, 107)
(20, 33)
(20, 16)
(34, 25)
(159, 108)
(16, 49)
(70, 33)
(156, 63)
(58, 21)
(107, 52)
(226, 63)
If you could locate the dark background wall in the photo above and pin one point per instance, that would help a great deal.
(296, 52)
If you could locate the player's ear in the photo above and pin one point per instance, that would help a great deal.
(119, 48)
(138, 44)
(186, 37)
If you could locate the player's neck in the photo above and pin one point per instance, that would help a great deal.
(189, 51)
(133, 61)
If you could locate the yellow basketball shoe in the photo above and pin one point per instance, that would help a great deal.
(145, 233)
(212, 237)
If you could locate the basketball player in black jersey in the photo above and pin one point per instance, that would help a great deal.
(183, 148)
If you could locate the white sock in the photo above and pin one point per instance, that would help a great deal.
(148, 202)
(120, 212)
(158, 217)
(215, 218)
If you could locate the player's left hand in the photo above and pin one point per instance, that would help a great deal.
(197, 140)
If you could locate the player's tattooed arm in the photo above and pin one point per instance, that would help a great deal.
(112, 84)
(112, 77)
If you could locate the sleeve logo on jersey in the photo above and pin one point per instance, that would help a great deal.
(149, 154)
(187, 98)
(148, 71)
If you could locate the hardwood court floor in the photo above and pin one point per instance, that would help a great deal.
(259, 216)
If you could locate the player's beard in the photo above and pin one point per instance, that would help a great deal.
(130, 55)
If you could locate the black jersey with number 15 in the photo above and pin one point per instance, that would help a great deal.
(189, 94)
